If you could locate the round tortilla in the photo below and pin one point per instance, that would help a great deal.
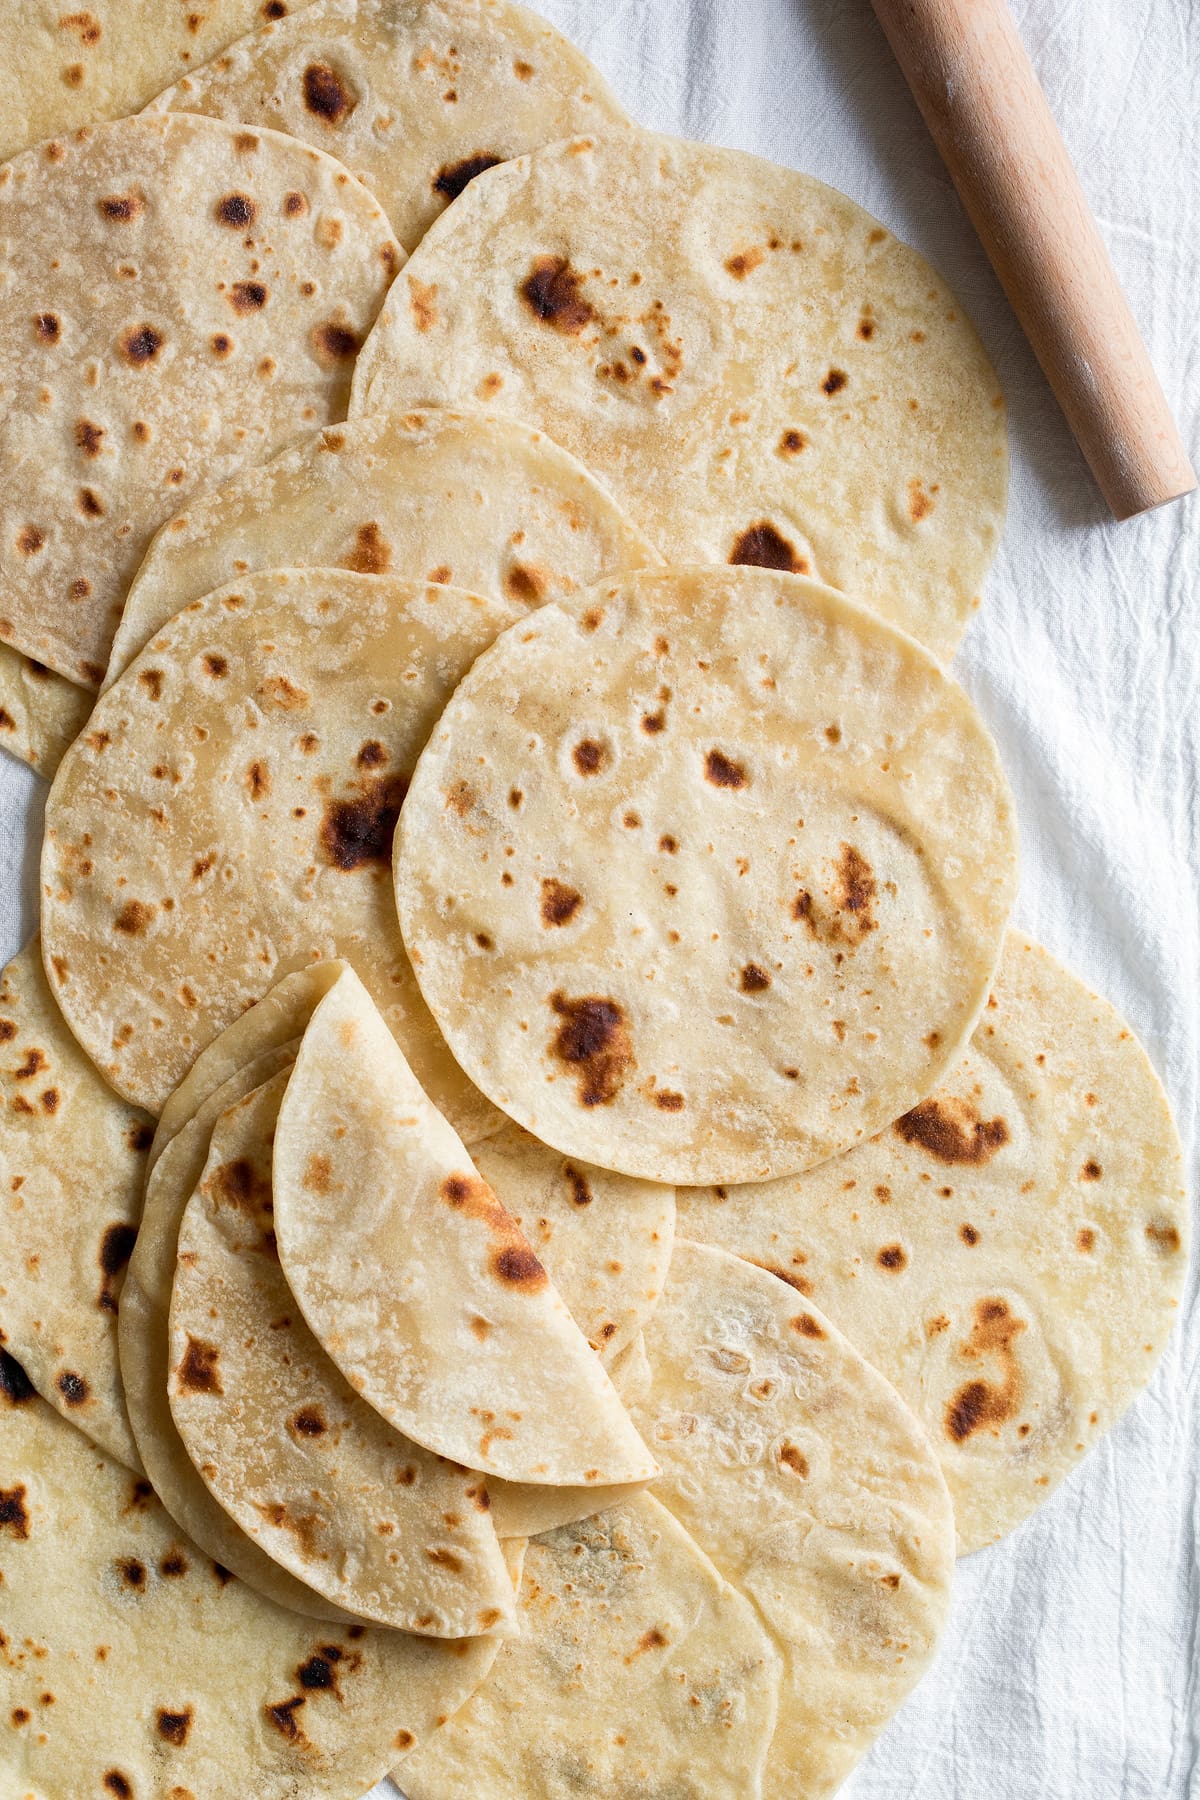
(305, 1467)
(72, 1161)
(40, 711)
(60, 69)
(639, 1671)
(189, 297)
(706, 870)
(416, 96)
(134, 1667)
(466, 1347)
(757, 368)
(800, 1471)
(144, 1339)
(1011, 1253)
(227, 818)
(485, 504)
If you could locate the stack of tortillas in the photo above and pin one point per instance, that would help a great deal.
(544, 1199)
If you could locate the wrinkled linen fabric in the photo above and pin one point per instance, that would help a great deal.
(1071, 1667)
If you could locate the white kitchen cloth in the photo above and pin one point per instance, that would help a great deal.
(1071, 1669)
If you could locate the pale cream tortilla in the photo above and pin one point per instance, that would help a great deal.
(801, 1472)
(40, 711)
(454, 497)
(757, 368)
(706, 870)
(72, 1162)
(145, 1354)
(465, 1345)
(62, 67)
(306, 1468)
(416, 96)
(639, 1672)
(188, 298)
(258, 751)
(1011, 1253)
(134, 1667)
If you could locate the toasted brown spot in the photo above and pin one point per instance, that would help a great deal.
(132, 1572)
(1091, 1170)
(754, 979)
(517, 1266)
(283, 1717)
(278, 692)
(174, 1727)
(653, 1639)
(834, 382)
(744, 262)
(221, 343)
(552, 292)
(325, 93)
(919, 503)
(248, 296)
(89, 437)
(15, 1385)
(1085, 1239)
(84, 24)
(140, 345)
(791, 444)
(120, 208)
(653, 723)
(118, 1784)
(1164, 1236)
(238, 1184)
(359, 830)
(174, 1565)
(116, 1248)
(304, 1527)
(14, 1514)
(581, 1193)
(590, 757)
(952, 1130)
(794, 1459)
(318, 1173)
(334, 342)
(30, 540)
(723, 772)
(452, 178)
(666, 1101)
(969, 1235)
(762, 546)
(197, 1373)
(152, 681)
(594, 1040)
(294, 204)
(47, 327)
(372, 554)
(258, 780)
(528, 586)
(134, 918)
(979, 1404)
(309, 1422)
(403, 1740)
(31, 1064)
(90, 503)
(560, 903)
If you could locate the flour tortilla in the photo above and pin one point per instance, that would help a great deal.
(638, 1672)
(485, 504)
(706, 870)
(1010, 1254)
(277, 1019)
(40, 712)
(305, 1468)
(757, 368)
(800, 1471)
(62, 68)
(165, 1676)
(256, 754)
(465, 1345)
(604, 1240)
(71, 1164)
(416, 96)
(145, 1354)
(188, 297)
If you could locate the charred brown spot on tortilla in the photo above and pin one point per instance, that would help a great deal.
(88, 437)
(528, 586)
(552, 292)
(239, 1185)
(834, 382)
(198, 1371)
(15, 1385)
(590, 757)
(919, 503)
(452, 178)
(723, 772)
(892, 1257)
(116, 1248)
(258, 780)
(236, 210)
(283, 1717)
(134, 918)
(318, 1173)
(248, 296)
(121, 208)
(754, 979)
(359, 830)
(278, 692)
(560, 903)
(118, 1784)
(334, 342)
(794, 1459)
(294, 204)
(1085, 1240)
(1164, 1236)
(275, 9)
(174, 1727)
(140, 345)
(309, 1422)
(90, 503)
(969, 1235)
(152, 681)
(581, 1193)
(304, 1527)
(594, 1040)
(979, 1405)
(14, 1514)
(744, 263)
(173, 1566)
(653, 723)
(371, 554)
(47, 327)
(1091, 1170)
(30, 540)
(326, 94)
(952, 1130)
(132, 1572)
(31, 1064)
(221, 344)
(763, 546)
(667, 1101)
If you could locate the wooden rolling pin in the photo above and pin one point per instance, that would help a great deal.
(975, 86)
